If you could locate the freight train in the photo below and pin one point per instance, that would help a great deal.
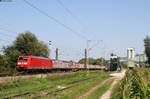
(27, 63)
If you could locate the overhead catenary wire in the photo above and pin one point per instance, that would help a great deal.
(4, 40)
(6, 35)
(71, 13)
(54, 19)
(95, 45)
(7, 30)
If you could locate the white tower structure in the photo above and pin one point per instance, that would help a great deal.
(130, 53)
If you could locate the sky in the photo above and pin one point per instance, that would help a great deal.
(115, 24)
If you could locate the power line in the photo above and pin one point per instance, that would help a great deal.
(71, 13)
(10, 31)
(54, 19)
(7, 30)
(7, 35)
(4, 40)
(95, 45)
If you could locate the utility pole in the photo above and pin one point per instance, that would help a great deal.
(50, 43)
(85, 63)
(56, 54)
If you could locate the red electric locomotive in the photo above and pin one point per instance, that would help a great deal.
(33, 62)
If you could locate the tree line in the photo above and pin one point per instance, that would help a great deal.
(25, 44)
(93, 61)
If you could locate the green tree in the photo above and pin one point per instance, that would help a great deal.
(82, 61)
(147, 47)
(12, 57)
(90, 61)
(25, 44)
(3, 63)
(3, 60)
(98, 61)
(28, 44)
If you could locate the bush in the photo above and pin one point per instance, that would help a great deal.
(135, 85)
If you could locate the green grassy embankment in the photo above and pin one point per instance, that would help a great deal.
(47, 87)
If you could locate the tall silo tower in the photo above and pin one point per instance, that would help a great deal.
(130, 53)
(131, 56)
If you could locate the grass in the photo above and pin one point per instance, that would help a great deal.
(34, 84)
(116, 92)
(83, 87)
(21, 86)
(80, 89)
(101, 90)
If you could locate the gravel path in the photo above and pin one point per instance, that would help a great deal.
(117, 77)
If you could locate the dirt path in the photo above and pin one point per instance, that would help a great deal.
(117, 78)
(87, 94)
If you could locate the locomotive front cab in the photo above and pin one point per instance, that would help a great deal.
(23, 63)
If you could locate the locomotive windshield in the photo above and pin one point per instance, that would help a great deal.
(23, 59)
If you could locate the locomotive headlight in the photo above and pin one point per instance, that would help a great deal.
(19, 63)
(25, 63)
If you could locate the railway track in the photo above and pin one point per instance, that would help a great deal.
(51, 89)
(7, 77)
(15, 74)
(32, 73)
